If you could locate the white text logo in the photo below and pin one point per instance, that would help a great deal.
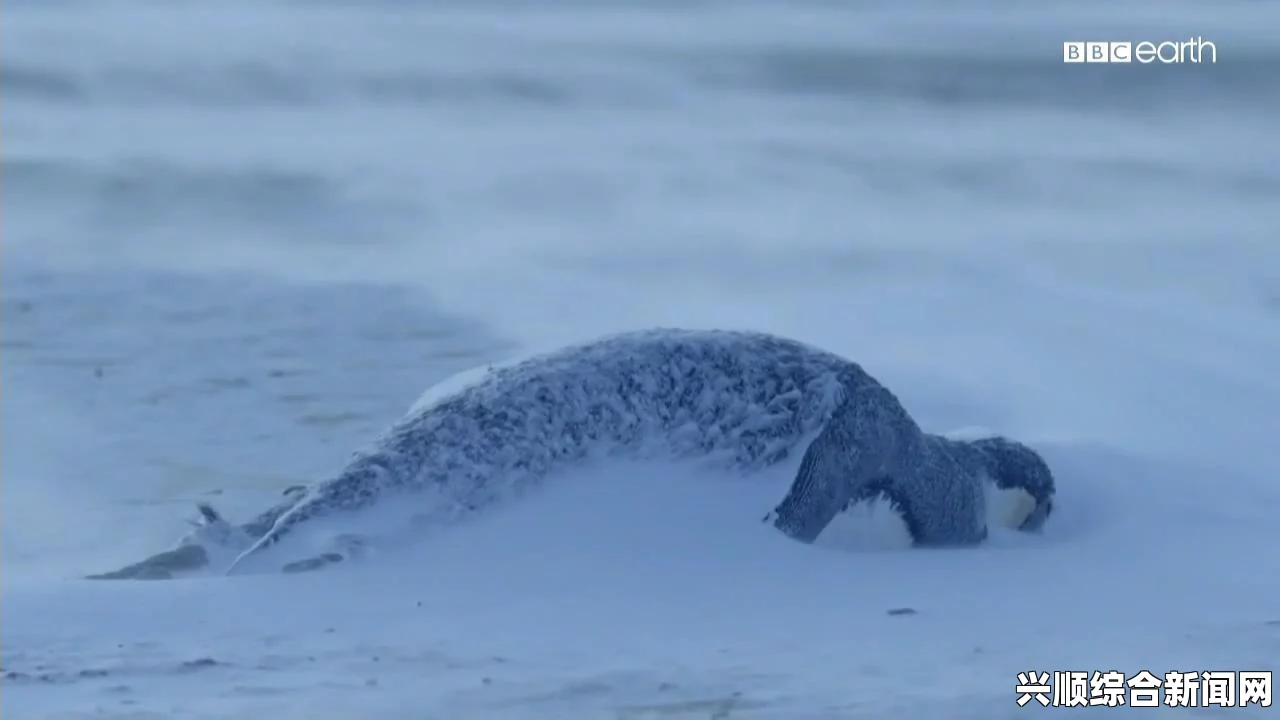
(1168, 52)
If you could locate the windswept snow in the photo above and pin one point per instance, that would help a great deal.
(241, 237)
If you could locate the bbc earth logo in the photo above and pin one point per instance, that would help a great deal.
(1193, 51)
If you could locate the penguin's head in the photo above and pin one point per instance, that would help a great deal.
(1022, 489)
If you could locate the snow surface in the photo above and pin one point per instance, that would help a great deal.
(241, 237)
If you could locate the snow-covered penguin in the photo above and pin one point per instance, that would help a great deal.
(744, 400)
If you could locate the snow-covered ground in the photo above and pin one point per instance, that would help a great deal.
(241, 237)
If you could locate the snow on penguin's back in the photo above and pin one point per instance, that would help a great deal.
(452, 385)
(485, 435)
